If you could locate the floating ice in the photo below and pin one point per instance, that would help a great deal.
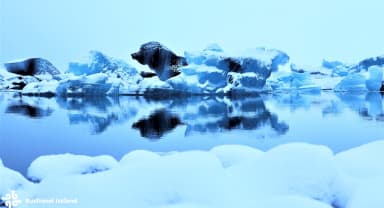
(218, 72)
(31, 67)
(362, 81)
(366, 63)
(160, 59)
(375, 79)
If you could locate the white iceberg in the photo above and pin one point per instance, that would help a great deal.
(219, 72)
(362, 81)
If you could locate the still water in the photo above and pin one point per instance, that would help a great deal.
(31, 126)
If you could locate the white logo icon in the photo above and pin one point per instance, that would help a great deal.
(11, 199)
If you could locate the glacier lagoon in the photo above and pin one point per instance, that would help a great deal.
(35, 126)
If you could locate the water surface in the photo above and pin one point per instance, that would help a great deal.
(31, 126)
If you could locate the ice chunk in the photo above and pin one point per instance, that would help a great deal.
(337, 67)
(31, 67)
(352, 82)
(18, 82)
(296, 81)
(117, 74)
(199, 79)
(68, 164)
(366, 63)
(99, 62)
(243, 73)
(160, 59)
(260, 60)
(98, 84)
(43, 88)
(375, 78)
(362, 81)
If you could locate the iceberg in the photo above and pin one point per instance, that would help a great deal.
(93, 85)
(375, 79)
(160, 59)
(102, 75)
(295, 81)
(337, 67)
(362, 81)
(210, 71)
(18, 82)
(31, 67)
(366, 63)
(220, 73)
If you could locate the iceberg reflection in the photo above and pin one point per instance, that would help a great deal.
(155, 117)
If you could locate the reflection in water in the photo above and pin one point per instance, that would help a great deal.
(368, 105)
(99, 112)
(223, 115)
(158, 123)
(154, 118)
(30, 109)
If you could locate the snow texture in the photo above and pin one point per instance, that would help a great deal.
(56, 165)
(290, 175)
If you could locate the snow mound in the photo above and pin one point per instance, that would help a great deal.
(68, 164)
(231, 155)
(364, 167)
(290, 175)
(11, 180)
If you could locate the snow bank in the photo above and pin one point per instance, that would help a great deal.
(290, 175)
(56, 165)
(367, 166)
(11, 180)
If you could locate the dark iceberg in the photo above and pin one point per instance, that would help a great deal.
(32, 66)
(163, 61)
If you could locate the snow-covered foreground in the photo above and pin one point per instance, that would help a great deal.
(291, 175)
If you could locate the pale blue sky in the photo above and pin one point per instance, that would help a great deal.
(64, 30)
